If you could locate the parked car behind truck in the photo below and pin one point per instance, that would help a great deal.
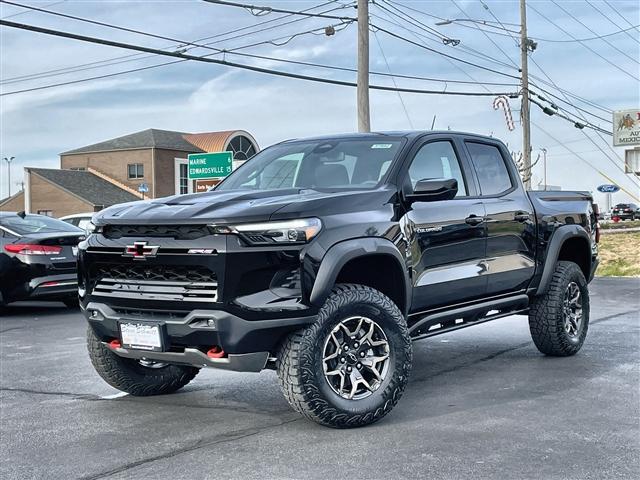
(38, 258)
(324, 259)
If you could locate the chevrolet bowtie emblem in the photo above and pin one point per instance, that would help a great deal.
(140, 251)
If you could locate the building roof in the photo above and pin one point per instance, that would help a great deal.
(86, 185)
(151, 138)
(209, 141)
(6, 200)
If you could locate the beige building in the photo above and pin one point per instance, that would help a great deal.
(110, 172)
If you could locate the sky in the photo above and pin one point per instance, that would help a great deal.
(191, 96)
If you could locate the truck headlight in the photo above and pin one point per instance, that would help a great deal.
(280, 232)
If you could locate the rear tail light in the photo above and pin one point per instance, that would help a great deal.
(29, 249)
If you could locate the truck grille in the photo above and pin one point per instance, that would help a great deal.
(180, 232)
(158, 282)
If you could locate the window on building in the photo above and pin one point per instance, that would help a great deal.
(490, 167)
(136, 170)
(242, 148)
(46, 213)
(183, 179)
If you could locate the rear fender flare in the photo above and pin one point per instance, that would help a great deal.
(559, 236)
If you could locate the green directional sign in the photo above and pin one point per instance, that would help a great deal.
(210, 165)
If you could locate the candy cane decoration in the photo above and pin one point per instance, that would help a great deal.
(502, 101)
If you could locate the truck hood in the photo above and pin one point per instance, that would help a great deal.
(234, 206)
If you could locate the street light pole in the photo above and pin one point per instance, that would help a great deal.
(364, 119)
(525, 113)
(9, 160)
(544, 154)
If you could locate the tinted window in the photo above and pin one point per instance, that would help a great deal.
(437, 160)
(332, 164)
(490, 167)
(36, 224)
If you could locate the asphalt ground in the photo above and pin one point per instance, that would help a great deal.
(481, 403)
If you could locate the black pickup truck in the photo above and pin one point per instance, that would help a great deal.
(324, 259)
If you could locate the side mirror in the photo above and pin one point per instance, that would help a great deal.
(429, 190)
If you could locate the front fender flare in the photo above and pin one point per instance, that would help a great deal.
(339, 254)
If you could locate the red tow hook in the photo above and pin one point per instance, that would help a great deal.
(215, 352)
(114, 344)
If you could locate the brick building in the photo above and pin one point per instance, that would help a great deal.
(103, 174)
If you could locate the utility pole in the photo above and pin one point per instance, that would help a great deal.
(9, 160)
(524, 112)
(364, 119)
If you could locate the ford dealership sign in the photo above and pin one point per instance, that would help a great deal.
(608, 188)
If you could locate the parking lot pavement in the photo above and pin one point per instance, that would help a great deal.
(481, 403)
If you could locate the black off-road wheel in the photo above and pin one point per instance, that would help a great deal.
(137, 377)
(559, 319)
(350, 367)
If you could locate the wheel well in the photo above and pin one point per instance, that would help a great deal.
(577, 250)
(378, 271)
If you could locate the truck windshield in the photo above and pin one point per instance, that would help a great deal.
(332, 164)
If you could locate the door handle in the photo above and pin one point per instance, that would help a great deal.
(473, 220)
(521, 217)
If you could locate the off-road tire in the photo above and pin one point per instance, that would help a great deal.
(300, 368)
(546, 317)
(130, 376)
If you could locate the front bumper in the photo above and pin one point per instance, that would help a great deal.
(243, 362)
(186, 338)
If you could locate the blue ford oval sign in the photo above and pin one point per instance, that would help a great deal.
(608, 188)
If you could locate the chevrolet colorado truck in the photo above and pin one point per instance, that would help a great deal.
(324, 258)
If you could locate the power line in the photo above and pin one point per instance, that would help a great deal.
(454, 64)
(404, 107)
(234, 52)
(413, 21)
(625, 30)
(576, 123)
(578, 109)
(405, 17)
(140, 48)
(400, 37)
(514, 38)
(486, 35)
(592, 31)
(618, 13)
(585, 133)
(22, 13)
(267, 10)
(598, 37)
(560, 99)
(582, 43)
(287, 38)
(137, 56)
(580, 158)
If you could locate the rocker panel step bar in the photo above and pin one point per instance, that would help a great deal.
(504, 306)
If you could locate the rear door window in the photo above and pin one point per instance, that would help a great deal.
(490, 168)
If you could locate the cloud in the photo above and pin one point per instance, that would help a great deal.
(189, 96)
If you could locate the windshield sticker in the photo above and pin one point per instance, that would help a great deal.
(382, 145)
